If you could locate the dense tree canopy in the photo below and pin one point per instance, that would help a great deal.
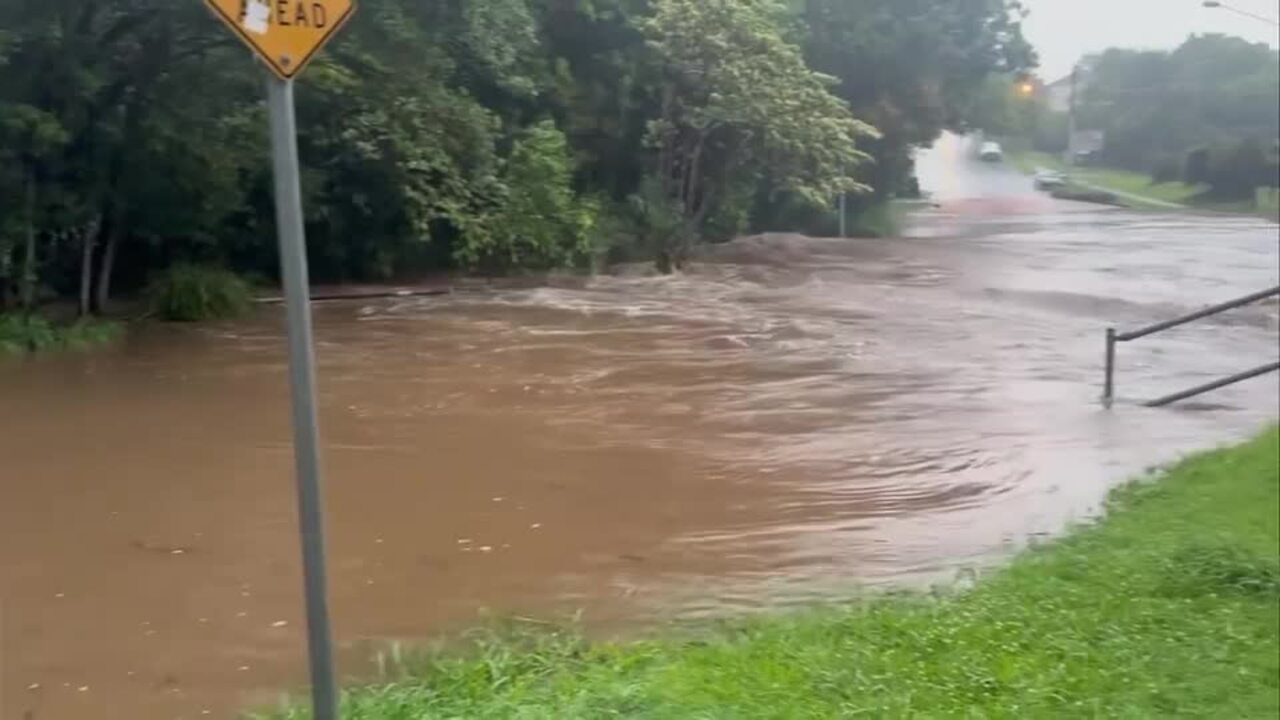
(439, 134)
(1208, 111)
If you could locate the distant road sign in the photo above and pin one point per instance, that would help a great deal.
(285, 34)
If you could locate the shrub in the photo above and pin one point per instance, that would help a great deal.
(187, 293)
(23, 333)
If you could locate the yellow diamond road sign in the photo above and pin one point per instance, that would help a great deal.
(284, 33)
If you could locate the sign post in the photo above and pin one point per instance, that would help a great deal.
(285, 34)
(302, 384)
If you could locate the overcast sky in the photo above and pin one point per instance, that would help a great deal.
(1063, 30)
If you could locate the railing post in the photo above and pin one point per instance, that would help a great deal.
(1108, 387)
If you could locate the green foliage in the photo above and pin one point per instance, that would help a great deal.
(1167, 607)
(21, 333)
(421, 127)
(187, 293)
(540, 222)
(880, 220)
(733, 93)
(1213, 91)
(1234, 171)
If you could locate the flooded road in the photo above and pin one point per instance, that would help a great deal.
(793, 419)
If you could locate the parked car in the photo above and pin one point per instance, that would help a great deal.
(1050, 180)
(990, 152)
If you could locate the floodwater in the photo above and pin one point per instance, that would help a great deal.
(792, 420)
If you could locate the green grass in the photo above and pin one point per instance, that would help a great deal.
(25, 333)
(1117, 180)
(1169, 607)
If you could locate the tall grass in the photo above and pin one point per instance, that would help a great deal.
(189, 293)
(1170, 606)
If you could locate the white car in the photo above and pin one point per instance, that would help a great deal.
(1050, 180)
(990, 152)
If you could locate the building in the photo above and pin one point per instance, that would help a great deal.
(1057, 95)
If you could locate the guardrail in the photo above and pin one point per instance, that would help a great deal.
(1113, 337)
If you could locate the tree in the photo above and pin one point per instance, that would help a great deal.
(1155, 106)
(738, 100)
(912, 68)
(445, 135)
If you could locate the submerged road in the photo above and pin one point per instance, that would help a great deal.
(791, 420)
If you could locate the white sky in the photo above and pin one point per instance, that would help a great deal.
(1064, 30)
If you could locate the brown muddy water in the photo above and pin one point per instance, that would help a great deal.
(792, 420)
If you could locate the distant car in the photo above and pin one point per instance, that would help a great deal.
(990, 152)
(1050, 180)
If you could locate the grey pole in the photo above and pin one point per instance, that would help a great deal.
(1071, 116)
(1108, 387)
(843, 203)
(1207, 387)
(302, 381)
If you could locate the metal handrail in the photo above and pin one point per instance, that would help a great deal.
(1113, 337)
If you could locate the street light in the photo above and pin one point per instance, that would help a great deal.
(1214, 4)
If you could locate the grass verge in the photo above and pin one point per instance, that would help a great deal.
(1137, 184)
(1170, 606)
(23, 333)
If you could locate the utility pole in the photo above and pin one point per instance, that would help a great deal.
(1071, 116)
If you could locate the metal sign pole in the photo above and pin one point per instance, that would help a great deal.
(843, 213)
(302, 381)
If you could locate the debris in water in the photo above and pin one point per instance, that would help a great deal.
(485, 548)
(83, 688)
(378, 541)
(279, 623)
(178, 551)
(242, 614)
(499, 499)
(60, 595)
(464, 541)
(33, 686)
(244, 668)
(535, 526)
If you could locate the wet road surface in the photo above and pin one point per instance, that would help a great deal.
(792, 420)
